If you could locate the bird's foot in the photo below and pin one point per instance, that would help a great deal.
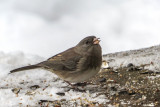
(82, 84)
(77, 89)
(75, 86)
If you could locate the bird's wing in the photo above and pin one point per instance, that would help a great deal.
(65, 61)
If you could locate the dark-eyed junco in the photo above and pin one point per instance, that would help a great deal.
(76, 64)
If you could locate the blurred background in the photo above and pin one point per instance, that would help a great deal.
(46, 27)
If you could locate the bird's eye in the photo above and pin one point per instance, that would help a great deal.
(87, 42)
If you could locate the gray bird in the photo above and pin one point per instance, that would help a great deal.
(76, 64)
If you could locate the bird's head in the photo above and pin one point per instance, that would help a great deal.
(89, 44)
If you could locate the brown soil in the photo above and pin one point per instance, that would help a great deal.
(123, 87)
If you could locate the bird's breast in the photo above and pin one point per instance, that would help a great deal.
(81, 76)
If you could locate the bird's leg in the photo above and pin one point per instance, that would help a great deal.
(81, 84)
(74, 87)
(69, 83)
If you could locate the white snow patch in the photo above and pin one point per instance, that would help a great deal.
(147, 56)
(49, 83)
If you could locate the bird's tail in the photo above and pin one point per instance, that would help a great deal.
(25, 68)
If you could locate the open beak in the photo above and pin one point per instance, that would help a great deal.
(96, 41)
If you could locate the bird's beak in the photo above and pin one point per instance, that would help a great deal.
(96, 41)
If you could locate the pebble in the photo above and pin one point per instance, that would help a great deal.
(123, 92)
(16, 90)
(130, 65)
(80, 84)
(102, 80)
(60, 94)
(34, 87)
(30, 93)
(113, 88)
(130, 69)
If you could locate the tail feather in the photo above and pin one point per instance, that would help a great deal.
(25, 68)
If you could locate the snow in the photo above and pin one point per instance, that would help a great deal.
(45, 28)
(48, 27)
(150, 57)
(49, 83)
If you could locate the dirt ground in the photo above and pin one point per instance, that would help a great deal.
(129, 86)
